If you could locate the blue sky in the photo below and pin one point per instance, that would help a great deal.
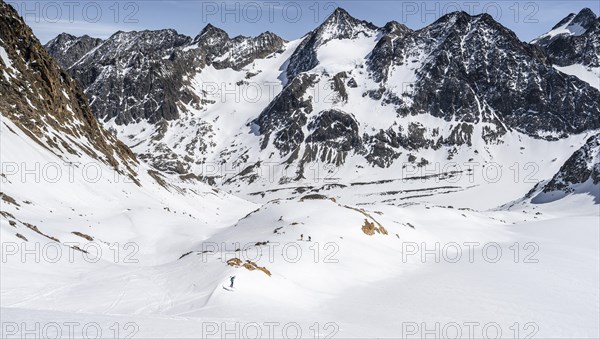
(289, 19)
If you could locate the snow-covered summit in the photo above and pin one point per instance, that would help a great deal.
(572, 25)
(340, 25)
(575, 40)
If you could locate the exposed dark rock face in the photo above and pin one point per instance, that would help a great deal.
(383, 147)
(476, 71)
(582, 166)
(286, 115)
(46, 103)
(479, 71)
(210, 41)
(67, 49)
(339, 87)
(223, 52)
(388, 50)
(143, 76)
(333, 134)
(574, 40)
(135, 76)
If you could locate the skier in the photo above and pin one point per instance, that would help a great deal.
(301, 237)
(232, 278)
(309, 238)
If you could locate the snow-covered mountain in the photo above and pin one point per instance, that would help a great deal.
(149, 69)
(68, 49)
(573, 40)
(579, 174)
(379, 183)
(338, 26)
(67, 179)
(573, 45)
(348, 94)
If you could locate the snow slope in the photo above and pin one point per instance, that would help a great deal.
(590, 75)
(360, 286)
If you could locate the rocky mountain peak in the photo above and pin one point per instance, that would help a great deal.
(150, 68)
(585, 18)
(340, 13)
(211, 35)
(135, 63)
(68, 49)
(148, 40)
(62, 38)
(222, 52)
(339, 25)
(572, 25)
(396, 28)
(457, 32)
(461, 52)
(269, 35)
(340, 16)
(574, 40)
(457, 18)
(565, 20)
(462, 22)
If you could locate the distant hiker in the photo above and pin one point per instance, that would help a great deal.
(232, 278)
(301, 236)
(309, 238)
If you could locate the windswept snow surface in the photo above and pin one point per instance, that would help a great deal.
(568, 28)
(369, 289)
(590, 75)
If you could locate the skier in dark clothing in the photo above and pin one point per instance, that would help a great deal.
(232, 278)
